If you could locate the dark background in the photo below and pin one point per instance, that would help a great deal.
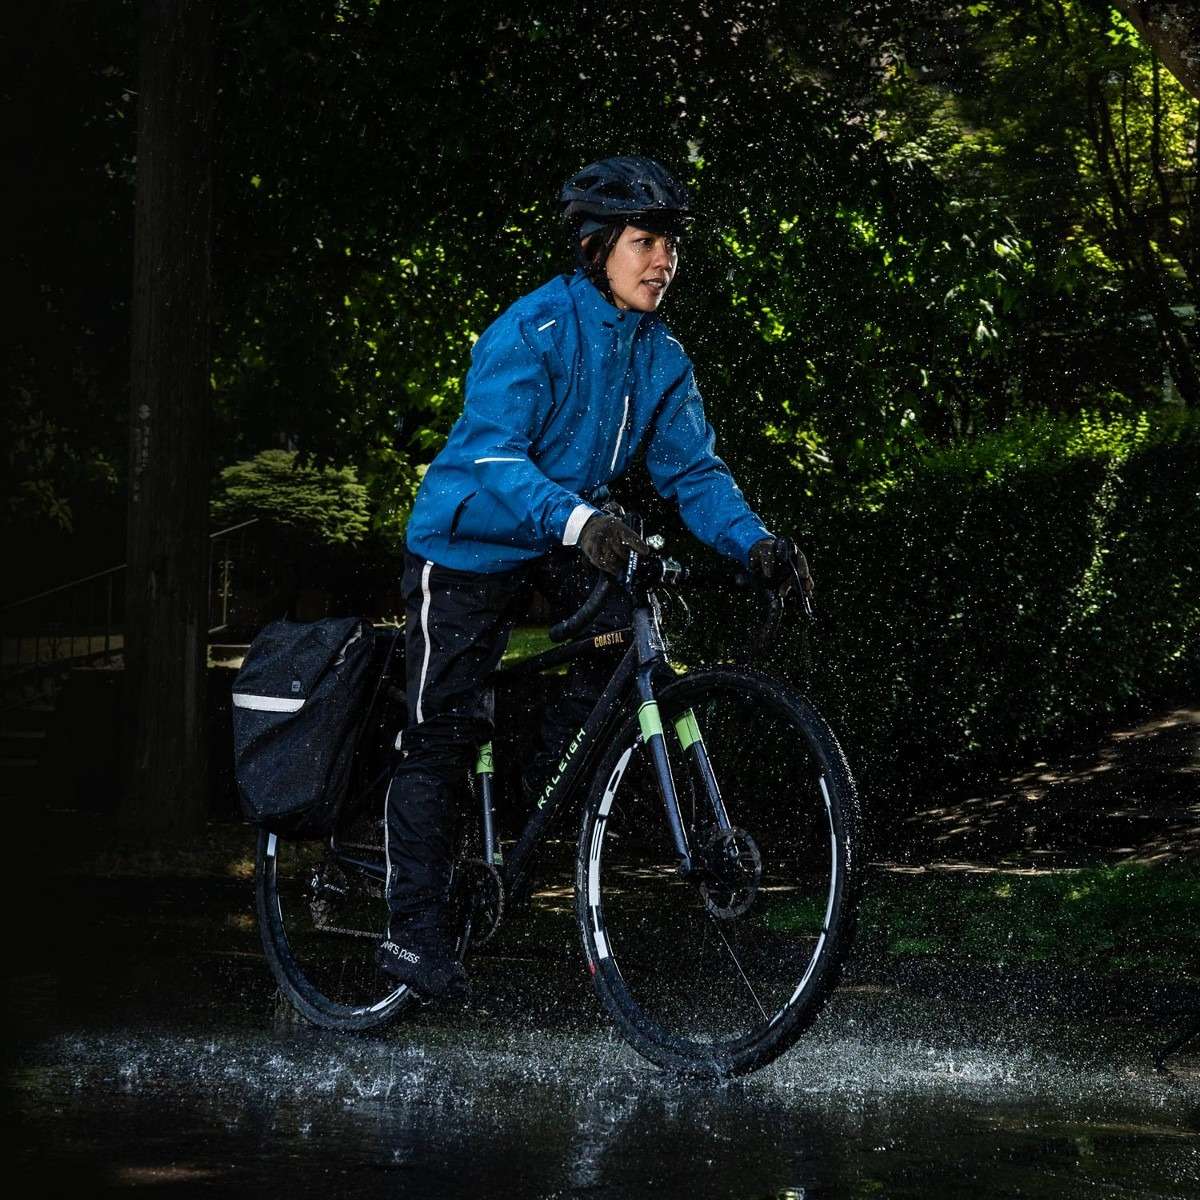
(940, 299)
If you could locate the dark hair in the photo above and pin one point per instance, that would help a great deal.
(593, 251)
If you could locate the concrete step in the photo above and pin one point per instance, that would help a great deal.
(28, 717)
(22, 749)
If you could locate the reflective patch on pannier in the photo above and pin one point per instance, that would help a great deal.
(267, 703)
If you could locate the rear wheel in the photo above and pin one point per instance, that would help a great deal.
(321, 918)
(321, 923)
(719, 973)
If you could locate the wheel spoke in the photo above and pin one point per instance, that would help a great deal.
(729, 948)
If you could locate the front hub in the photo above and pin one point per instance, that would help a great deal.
(732, 870)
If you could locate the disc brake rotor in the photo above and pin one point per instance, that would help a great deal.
(735, 867)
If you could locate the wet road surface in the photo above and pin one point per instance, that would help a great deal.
(155, 1055)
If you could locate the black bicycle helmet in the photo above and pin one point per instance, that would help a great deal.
(623, 191)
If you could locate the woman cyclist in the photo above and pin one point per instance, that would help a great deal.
(565, 388)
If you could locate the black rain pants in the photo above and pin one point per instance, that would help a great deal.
(458, 624)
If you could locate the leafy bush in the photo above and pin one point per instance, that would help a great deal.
(327, 504)
(999, 592)
(1104, 919)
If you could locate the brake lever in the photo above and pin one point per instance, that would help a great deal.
(776, 604)
(805, 594)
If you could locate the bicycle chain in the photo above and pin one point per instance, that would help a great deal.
(488, 871)
(360, 933)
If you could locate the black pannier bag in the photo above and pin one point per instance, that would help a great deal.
(298, 704)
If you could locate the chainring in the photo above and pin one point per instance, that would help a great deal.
(733, 861)
(327, 884)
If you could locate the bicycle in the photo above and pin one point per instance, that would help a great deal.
(717, 866)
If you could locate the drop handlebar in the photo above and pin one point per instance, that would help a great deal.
(651, 570)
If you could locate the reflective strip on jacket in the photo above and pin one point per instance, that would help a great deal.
(564, 390)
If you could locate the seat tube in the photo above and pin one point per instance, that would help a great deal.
(649, 653)
(485, 773)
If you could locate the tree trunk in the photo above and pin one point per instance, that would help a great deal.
(167, 600)
(1137, 250)
(1172, 27)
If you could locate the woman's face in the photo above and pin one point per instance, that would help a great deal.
(640, 268)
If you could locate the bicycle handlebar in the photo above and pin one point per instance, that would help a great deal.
(570, 626)
(650, 570)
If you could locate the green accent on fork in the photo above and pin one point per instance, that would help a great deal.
(483, 764)
(649, 720)
(688, 729)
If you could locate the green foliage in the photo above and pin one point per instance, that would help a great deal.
(1057, 116)
(64, 354)
(851, 296)
(912, 227)
(989, 595)
(326, 504)
(996, 598)
(1103, 919)
(44, 466)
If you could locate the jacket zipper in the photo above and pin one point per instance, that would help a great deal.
(612, 466)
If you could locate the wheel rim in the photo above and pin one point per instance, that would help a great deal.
(326, 924)
(710, 978)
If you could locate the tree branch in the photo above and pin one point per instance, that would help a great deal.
(1172, 27)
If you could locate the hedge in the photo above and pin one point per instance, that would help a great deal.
(1000, 593)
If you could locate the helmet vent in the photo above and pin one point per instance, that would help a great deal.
(617, 188)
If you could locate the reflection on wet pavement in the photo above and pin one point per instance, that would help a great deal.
(162, 1059)
(578, 1115)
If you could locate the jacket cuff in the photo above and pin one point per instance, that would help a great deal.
(579, 517)
(745, 535)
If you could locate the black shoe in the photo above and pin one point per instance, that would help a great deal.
(426, 964)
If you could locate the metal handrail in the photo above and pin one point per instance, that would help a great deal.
(62, 587)
(66, 587)
(95, 603)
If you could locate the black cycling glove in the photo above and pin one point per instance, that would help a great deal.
(607, 541)
(778, 562)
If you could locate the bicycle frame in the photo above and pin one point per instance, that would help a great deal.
(633, 678)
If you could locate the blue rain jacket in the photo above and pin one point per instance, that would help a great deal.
(564, 390)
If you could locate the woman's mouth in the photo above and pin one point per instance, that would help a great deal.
(656, 285)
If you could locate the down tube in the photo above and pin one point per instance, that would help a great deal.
(580, 750)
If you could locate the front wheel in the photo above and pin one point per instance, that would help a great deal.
(720, 972)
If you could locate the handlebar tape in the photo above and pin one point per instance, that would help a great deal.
(587, 614)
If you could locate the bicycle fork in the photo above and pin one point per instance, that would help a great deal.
(691, 740)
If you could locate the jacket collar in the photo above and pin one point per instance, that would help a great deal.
(595, 310)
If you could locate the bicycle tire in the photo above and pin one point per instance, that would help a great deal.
(321, 922)
(665, 953)
(329, 978)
